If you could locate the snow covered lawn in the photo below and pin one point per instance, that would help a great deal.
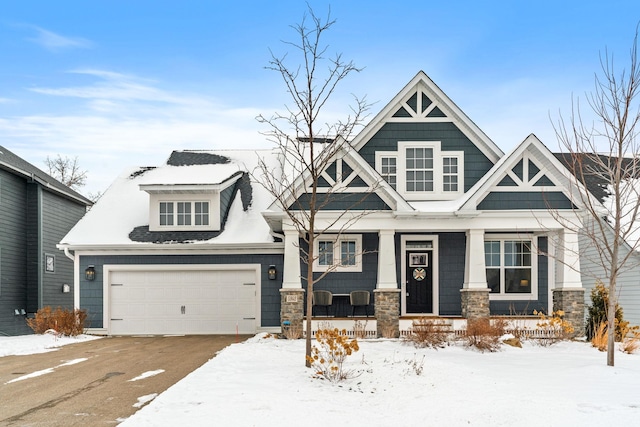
(32, 344)
(263, 382)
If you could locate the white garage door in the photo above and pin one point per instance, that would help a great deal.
(182, 302)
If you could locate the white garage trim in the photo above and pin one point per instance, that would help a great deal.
(108, 269)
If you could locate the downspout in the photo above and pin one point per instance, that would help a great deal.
(40, 249)
(276, 235)
(68, 255)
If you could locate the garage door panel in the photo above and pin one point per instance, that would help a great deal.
(183, 302)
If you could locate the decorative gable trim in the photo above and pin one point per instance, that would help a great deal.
(421, 100)
(529, 178)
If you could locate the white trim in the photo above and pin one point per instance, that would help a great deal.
(107, 269)
(403, 271)
(437, 193)
(534, 266)
(337, 254)
(386, 155)
(154, 211)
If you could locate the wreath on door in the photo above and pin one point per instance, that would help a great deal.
(419, 274)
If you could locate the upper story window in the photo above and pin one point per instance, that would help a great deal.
(422, 171)
(343, 253)
(183, 214)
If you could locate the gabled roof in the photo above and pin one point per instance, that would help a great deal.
(18, 166)
(557, 176)
(442, 108)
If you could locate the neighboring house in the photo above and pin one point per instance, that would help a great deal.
(454, 229)
(36, 211)
(591, 260)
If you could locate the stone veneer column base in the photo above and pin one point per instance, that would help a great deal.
(291, 308)
(475, 303)
(387, 312)
(571, 301)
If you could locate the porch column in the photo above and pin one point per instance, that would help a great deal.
(475, 293)
(291, 294)
(387, 294)
(568, 294)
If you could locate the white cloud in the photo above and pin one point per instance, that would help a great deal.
(55, 42)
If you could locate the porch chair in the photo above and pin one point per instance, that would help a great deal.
(359, 299)
(323, 299)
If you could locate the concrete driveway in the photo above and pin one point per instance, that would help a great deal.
(89, 383)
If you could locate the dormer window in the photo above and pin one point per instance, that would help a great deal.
(422, 171)
(183, 214)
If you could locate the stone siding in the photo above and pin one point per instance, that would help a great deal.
(571, 301)
(387, 308)
(475, 303)
(292, 308)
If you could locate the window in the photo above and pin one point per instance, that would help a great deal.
(388, 170)
(419, 169)
(202, 213)
(449, 174)
(166, 213)
(184, 214)
(510, 267)
(342, 253)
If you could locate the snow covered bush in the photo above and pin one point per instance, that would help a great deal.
(61, 321)
(328, 356)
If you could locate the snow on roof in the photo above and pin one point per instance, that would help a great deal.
(125, 205)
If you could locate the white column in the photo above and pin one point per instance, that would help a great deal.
(569, 271)
(291, 273)
(386, 260)
(475, 274)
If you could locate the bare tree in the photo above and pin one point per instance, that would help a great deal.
(67, 171)
(306, 146)
(606, 152)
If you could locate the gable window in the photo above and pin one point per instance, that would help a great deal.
(449, 173)
(421, 170)
(343, 253)
(184, 214)
(510, 267)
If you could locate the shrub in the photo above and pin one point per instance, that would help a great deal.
(292, 331)
(631, 344)
(328, 357)
(484, 335)
(599, 338)
(429, 333)
(62, 321)
(597, 313)
(555, 327)
(360, 329)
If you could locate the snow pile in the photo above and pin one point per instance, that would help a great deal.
(31, 344)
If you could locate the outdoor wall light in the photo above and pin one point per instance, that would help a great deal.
(66, 289)
(272, 272)
(23, 311)
(90, 273)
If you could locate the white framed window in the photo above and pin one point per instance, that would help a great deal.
(387, 166)
(183, 214)
(340, 253)
(420, 170)
(511, 267)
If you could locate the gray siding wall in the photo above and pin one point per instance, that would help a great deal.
(91, 297)
(628, 284)
(342, 201)
(476, 164)
(13, 251)
(59, 215)
(451, 251)
(226, 196)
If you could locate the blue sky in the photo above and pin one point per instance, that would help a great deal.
(122, 83)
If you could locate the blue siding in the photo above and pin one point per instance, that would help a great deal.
(91, 297)
(523, 200)
(451, 252)
(342, 201)
(476, 164)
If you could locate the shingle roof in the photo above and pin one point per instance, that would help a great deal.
(16, 165)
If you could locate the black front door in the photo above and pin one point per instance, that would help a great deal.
(419, 281)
